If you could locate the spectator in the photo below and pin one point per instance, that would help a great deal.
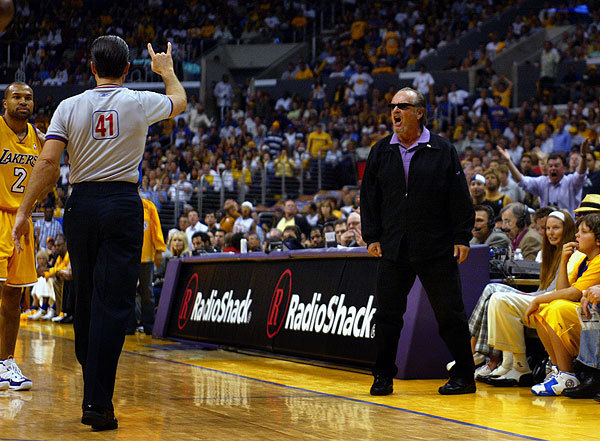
(501, 311)
(423, 81)
(325, 212)
(515, 223)
(231, 214)
(219, 240)
(177, 245)
(290, 238)
(588, 360)
(353, 235)
(223, 93)
(360, 82)
(303, 72)
(319, 142)
(317, 238)
(291, 217)
(548, 69)
(195, 225)
(210, 220)
(484, 232)
(339, 226)
(181, 191)
(558, 189)
(494, 198)
(245, 223)
(555, 314)
(48, 227)
(561, 140)
(253, 243)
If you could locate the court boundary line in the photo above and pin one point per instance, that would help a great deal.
(356, 400)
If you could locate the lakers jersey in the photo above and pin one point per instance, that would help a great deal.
(17, 159)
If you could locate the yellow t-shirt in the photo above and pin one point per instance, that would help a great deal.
(283, 222)
(319, 142)
(358, 29)
(60, 265)
(17, 159)
(304, 74)
(153, 236)
(590, 277)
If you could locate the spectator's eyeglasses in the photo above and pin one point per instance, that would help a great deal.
(401, 106)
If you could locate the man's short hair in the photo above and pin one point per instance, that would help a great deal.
(205, 237)
(339, 222)
(110, 55)
(487, 209)
(520, 211)
(543, 212)
(10, 86)
(557, 155)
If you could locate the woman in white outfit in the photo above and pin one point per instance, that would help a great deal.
(506, 310)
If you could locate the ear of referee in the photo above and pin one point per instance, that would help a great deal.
(104, 130)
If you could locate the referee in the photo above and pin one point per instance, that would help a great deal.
(104, 130)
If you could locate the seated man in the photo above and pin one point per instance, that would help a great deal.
(515, 223)
(317, 238)
(588, 359)
(253, 242)
(352, 237)
(290, 238)
(484, 232)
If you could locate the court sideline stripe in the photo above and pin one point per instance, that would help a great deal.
(414, 412)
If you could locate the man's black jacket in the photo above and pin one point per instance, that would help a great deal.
(434, 213)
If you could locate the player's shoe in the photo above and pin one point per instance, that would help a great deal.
(554, 385)
(11, 372)
(49, 315)
(37, 315)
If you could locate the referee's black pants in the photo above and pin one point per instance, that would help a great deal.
(441, 279)
(103, 223)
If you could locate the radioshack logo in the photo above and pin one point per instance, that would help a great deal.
(186, 305)
(223, 309)
(279, 303)
(323, 317)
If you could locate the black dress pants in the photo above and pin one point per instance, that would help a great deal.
(441, 280)
(103, 223)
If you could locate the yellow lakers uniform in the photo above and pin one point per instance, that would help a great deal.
(17, 159)
(153, 237)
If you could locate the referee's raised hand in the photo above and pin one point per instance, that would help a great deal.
(162, 63)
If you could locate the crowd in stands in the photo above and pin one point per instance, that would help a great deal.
(521, 164)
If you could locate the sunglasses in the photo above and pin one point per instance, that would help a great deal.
(401, 106)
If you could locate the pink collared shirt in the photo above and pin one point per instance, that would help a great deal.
(408, 152)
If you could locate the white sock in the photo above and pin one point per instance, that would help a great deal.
(520, 363)
(507, 360)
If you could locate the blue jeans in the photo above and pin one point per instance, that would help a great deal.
(589, 346)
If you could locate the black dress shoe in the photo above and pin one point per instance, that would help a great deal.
(597, 398)
(66, 320)
(588, 388)
(382, 385)
(457, 386)
(99, 418)
(147, 330)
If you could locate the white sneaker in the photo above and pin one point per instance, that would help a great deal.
(482, 372)
(58, 317)
(37, 315)
(49, 315)
(11, 372)
(556, 384)
(4, 383)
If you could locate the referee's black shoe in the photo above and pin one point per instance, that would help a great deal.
(382, 385)
(458, 386)
(99, 418)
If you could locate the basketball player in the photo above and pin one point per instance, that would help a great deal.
(20, 145)
(104, 130)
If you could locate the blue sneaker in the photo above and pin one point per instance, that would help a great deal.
(9, 371)
(555, 384)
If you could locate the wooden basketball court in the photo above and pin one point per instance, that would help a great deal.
(173, 391)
